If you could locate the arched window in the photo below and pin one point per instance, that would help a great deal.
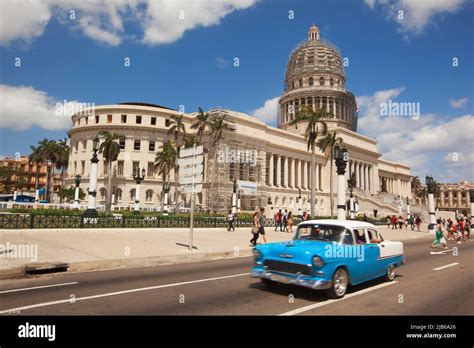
(331, 82)
(149, 195)
(132, 194)
(310, 81)
(321, 81)
(118, 195)
(103, 193)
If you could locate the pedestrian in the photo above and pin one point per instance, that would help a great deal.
(290, 223)
(365, 217)
(467, 229)
(305, 216)
(285, 220)
(400, 222)
(278, 220)
(411, 222)
(394, 222)
(459, 231)
(388, 220)
(255, 229)
(261, 222)
(418, 223)
(230, 220)
(439, 237)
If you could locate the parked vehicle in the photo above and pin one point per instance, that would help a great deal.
(329, 255)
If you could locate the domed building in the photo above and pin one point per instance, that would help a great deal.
(315, 77)
(270, 166)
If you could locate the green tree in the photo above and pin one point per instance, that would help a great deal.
(36, 157)
(220, 126)
(178, 131)
(190, 140)
(327, 145)
(110, 148)
(166, 160)
(315, 127)
(201, 123)
(68, 193)
(62, 164)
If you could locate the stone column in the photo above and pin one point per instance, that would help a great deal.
(459, 199)
(298, 174)
(366, 177)
(270, 171)
(356, 169)
(285, 171)
(450, 198)
(316, 169)
(305, 174)
(278, 164)
(292, 173)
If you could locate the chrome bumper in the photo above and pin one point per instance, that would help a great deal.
(319, 284)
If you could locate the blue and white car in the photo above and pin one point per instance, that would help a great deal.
(329, 255)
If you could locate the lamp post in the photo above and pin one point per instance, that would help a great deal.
(431, 208)
(234, 196)
(471, 199)
(351, 183)
(138, 181)
(299, 203)
(166, 190)
(238, 202)
(408, 207)
(113, 197)
(91, 211)
(77, 180)
(356, 206)
(341, 157)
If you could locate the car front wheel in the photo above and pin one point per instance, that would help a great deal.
(340, 281)
(390, 274)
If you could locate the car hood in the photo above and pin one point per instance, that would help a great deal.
(297, 251)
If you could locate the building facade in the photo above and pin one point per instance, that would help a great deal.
(276, 160)
(452, 197)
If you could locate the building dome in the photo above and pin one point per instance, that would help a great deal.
(315, 76)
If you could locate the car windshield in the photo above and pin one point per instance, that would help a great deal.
(329, 233)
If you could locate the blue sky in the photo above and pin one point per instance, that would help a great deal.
(190, 62)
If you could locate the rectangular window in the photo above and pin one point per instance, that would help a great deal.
(124, 118)
(120, 167)
(150, 169)
(167, 122)
(97, 118)
(109, 118)
(139, 120)
(87, 120)
(153, 121)
(83, 167)
(135, 168)
(136, 144)
(122, 144)
(151, 146)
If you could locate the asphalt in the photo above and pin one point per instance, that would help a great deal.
(224, 287)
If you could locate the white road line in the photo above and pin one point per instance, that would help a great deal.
(328, 302)
(443, 267)
(37, 287)
(45, 304)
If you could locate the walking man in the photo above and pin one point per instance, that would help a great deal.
(261, 221)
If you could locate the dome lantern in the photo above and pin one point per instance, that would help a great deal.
(313, 33)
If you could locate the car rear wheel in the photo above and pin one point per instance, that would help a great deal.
(340, 281)
(390, 274)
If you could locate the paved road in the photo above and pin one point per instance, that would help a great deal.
(224, 287)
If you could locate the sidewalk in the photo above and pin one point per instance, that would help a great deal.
(94, 249)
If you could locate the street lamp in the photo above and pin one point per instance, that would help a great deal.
(234, 196)
(138, 181)
(431, 208)
(341, 157)
(77, 180)
(113, 196)
(91, 211)
(351, 183)
(408, 207)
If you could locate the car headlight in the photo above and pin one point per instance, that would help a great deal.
(256, 253)
(317, 261)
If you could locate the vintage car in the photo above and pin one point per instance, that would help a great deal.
(329, 255)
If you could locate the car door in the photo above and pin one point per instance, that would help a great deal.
(359, 265)
(372, 253)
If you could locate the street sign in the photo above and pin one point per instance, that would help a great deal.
(189, 188)
(189, 152)
(189, 161)
(188, 171)
(247, 186)
(189, 180)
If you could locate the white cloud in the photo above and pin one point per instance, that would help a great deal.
(23, 20)
(268, 113)
(162, 21)
(417, 14)
(423, 142)
(23, 107)
(458, 103)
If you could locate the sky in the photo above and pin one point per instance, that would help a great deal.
(233, 54)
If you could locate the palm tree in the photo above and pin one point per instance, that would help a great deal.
(110, 148)
(165, 160)
(219, 125)
(190, 140)
(51, 154)
(36, 157)
(327, 144)
(201, 123)
(62, 164)
(416, 185)
(315, 127)
(177, 130)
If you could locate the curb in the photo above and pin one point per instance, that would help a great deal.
(100, 265)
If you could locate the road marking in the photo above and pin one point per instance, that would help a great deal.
(52, 303)
(328, 302)
(443, 267)
(37, 287)
(441, 252)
